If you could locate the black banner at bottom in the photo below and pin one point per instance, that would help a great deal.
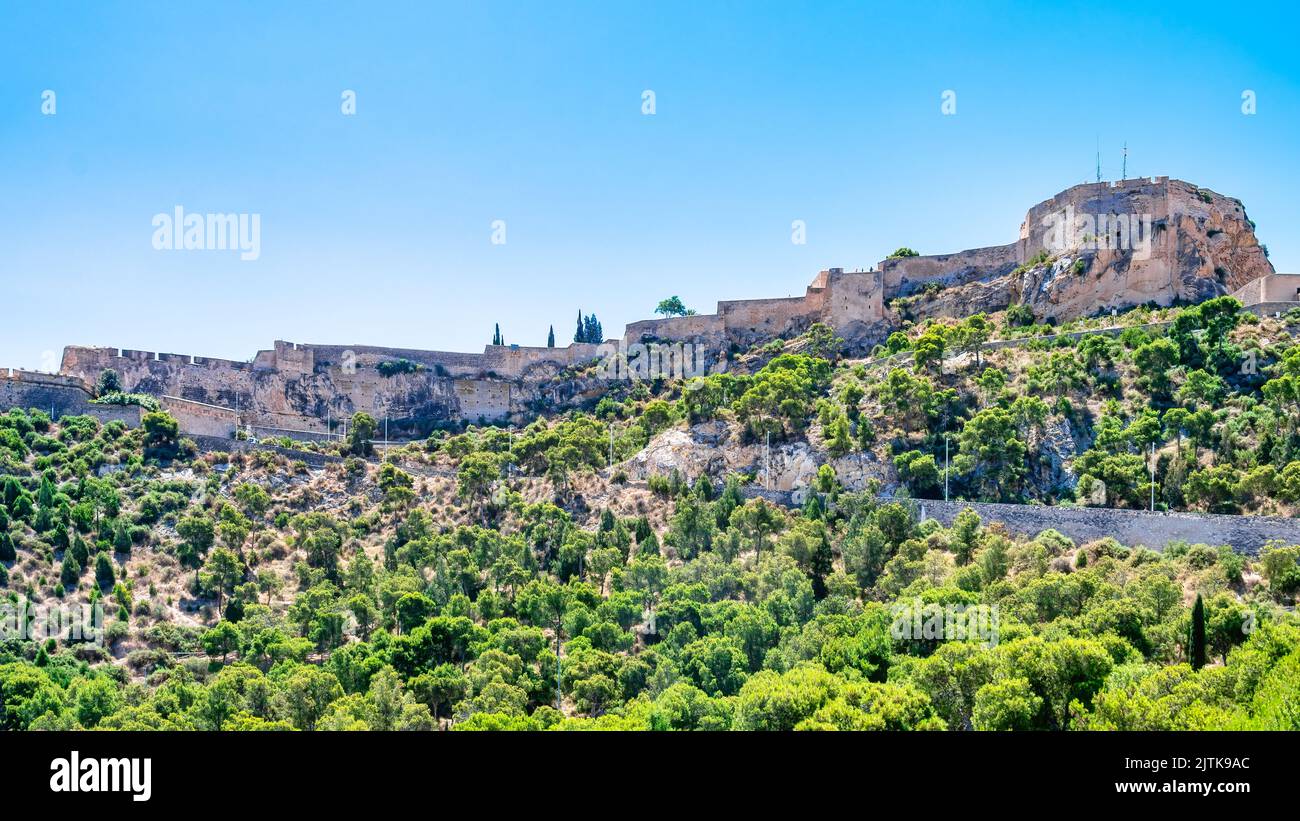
(328, 770)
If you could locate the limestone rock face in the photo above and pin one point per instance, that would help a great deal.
(1192, 244)
(715, 449)
(1058, 450)
(677, 449)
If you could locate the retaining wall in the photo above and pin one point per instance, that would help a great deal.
(1245, 534)
(59, 396)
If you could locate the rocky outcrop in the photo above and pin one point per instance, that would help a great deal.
(1125, 245)
(715, 449)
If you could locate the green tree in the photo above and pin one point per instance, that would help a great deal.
(1196, 637)
(221, 640)
(756, 520)
(361, 433)
(476, 477)
(672, 306)
(161, 433)
(198, 534)
(221, 572)
(992, 454)
(108, 382)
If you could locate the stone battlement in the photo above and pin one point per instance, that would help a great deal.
(1201, 244)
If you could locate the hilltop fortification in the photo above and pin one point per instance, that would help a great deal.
(1084, 251)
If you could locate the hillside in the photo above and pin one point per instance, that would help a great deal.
(458, 581)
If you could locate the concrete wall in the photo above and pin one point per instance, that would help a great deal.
(220, 445)
(1245, 534)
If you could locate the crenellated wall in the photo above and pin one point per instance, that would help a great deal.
(1202, 244)
(906, 275)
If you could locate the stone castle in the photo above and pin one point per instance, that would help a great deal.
(1146, 241)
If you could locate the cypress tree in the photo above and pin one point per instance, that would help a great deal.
(580, 335)
(550, 337)
(104, 574)
(122, 538)
(1196, 642)
(70, 572)
(496, 335)
(79, 550)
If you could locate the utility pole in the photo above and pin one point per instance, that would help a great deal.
(945, 466)
(559, 681)
(1153, 477)
(767, 457)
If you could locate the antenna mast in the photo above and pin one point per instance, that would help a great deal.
(1124, 173)
(1098, 159)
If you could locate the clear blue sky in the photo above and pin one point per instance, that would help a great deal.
(375, 228)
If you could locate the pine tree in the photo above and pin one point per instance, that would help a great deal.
(550, 337)
(104, 574)
(70, 572)
(1196, 643)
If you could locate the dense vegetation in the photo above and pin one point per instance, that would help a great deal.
(508, 579)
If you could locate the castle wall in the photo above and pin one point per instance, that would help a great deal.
(705, 327)
(483, 399)
(59, 396)
(1271, 288)
(852, 297)
(368, 356)
(751, 320)
(1135, 197)
(515, 360)
(1202, 246)
(200, 418)
(906, 275)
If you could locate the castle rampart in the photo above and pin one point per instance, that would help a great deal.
(58, 396)
(1271, 288)
(1201, 244)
